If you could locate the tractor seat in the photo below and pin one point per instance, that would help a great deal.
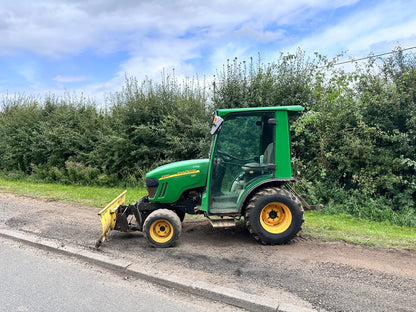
(267, 159)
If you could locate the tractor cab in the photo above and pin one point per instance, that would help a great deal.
(245, 152)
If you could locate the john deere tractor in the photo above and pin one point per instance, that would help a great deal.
(248, 176)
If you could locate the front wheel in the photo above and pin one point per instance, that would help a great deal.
(274, 216)
(162, 228)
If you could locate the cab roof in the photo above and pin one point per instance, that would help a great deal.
(292, 109)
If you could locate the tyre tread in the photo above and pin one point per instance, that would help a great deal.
(269, 191)
(172, 217)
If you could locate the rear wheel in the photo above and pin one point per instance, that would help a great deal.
(274, 216)
(162, 228)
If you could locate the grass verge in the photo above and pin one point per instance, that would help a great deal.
(88, 195)
(350, 229)
(317, 225)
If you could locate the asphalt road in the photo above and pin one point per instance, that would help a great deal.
(331, 276)
(34, 280)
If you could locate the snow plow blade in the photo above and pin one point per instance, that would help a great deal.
(108, 217)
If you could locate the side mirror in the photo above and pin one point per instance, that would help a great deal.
(216, 124)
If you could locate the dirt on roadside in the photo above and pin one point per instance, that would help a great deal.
(332, 276)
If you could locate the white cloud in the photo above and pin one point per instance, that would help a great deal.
(162, 35)
(69, 79)
(258, 34)
(54, 27)
(387, 36)
(378, 28)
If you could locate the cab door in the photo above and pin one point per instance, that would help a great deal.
(243, 153)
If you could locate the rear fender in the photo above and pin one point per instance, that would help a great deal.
(254, 188)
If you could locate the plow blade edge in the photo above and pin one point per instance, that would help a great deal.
(108, 217)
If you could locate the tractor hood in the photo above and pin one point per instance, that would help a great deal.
(167, 183)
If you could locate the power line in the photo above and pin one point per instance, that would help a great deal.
(373, 56)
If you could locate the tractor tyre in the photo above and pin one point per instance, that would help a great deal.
(274, 216)
(162, 228)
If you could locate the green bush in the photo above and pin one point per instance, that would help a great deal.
(355, 144)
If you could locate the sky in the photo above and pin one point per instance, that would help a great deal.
(89, 47)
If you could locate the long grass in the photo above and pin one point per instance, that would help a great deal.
(317, 225)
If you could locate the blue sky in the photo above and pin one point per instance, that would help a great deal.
(90, 46)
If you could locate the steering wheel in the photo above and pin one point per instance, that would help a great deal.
(226, 156)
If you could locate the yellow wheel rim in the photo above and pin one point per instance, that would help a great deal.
(275, 218)
(161, 231)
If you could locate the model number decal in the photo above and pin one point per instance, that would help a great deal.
(182, 173)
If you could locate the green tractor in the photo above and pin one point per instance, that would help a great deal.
(248, 175)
